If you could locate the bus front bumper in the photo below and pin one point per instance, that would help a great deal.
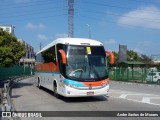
(73, 92)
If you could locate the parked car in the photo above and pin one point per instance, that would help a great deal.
(153, 77)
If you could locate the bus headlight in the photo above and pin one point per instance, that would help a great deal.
(70, 85)
(105, 84)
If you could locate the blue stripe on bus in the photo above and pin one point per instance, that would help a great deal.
(73, 83)
(48, 72)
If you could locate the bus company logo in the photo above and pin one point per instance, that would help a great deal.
(6, 114)
(90, 86)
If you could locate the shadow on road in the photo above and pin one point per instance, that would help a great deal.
(21, 84)
(15, 96)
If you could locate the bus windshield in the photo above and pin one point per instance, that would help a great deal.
(86, 63)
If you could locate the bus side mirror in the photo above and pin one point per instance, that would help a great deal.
(111, 57)
(63, 55)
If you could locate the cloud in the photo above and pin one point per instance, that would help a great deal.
(147, 17)
(61, 35)
(41, 26)
(111, 41)
(42, 37)
(32, 26)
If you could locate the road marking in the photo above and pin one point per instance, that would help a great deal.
(127, 92)
(146, 99)
(142, 97)
(123, 96)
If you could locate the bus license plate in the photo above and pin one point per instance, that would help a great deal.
(90, 93)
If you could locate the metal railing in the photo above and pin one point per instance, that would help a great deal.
(5, 100)
(8, 72)
(141, 75)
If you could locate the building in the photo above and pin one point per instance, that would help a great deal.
(29, 58)
(8, 28)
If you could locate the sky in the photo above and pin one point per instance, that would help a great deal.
(135, 23)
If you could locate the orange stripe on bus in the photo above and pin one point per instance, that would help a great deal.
(46, 67)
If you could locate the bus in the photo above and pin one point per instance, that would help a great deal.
(73, 67)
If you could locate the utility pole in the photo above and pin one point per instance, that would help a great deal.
(70, 18)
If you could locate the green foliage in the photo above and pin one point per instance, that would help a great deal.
(10, 49)
(146, 59)
(115, 57)
(132, 56)
(158, 66)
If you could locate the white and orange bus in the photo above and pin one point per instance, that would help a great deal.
(73, 67)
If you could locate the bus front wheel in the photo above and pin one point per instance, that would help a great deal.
(55, 90)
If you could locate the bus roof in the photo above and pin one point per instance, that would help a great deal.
(72, 41)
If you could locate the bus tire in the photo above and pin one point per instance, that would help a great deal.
(158, 81)
(39, 84)
(55, 90)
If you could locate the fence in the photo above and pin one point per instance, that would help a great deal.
(127, 74)
(6, 72)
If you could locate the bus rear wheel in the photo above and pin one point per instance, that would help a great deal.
(55, 90)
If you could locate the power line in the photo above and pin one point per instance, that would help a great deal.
(109, 21)
(32, 12)
(26, 4)
(118, 7)
(136, 1)
(42, 17)
(113, 14)
(146, 2)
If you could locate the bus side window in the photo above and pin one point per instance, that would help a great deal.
(49, 55)
(61, 65)
(39, 58)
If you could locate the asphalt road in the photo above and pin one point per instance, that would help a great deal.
(27, 96)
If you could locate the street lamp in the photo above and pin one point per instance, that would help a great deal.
(89, 30)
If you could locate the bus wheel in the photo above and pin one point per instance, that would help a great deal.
(55, 90)
(158, 81)
(39, 84)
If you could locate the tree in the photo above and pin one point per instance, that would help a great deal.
(146, 59)
(115, 57)
(11, 50)
(132, 56)
(158, 66)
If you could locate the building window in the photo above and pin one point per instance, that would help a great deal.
(7, 29)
